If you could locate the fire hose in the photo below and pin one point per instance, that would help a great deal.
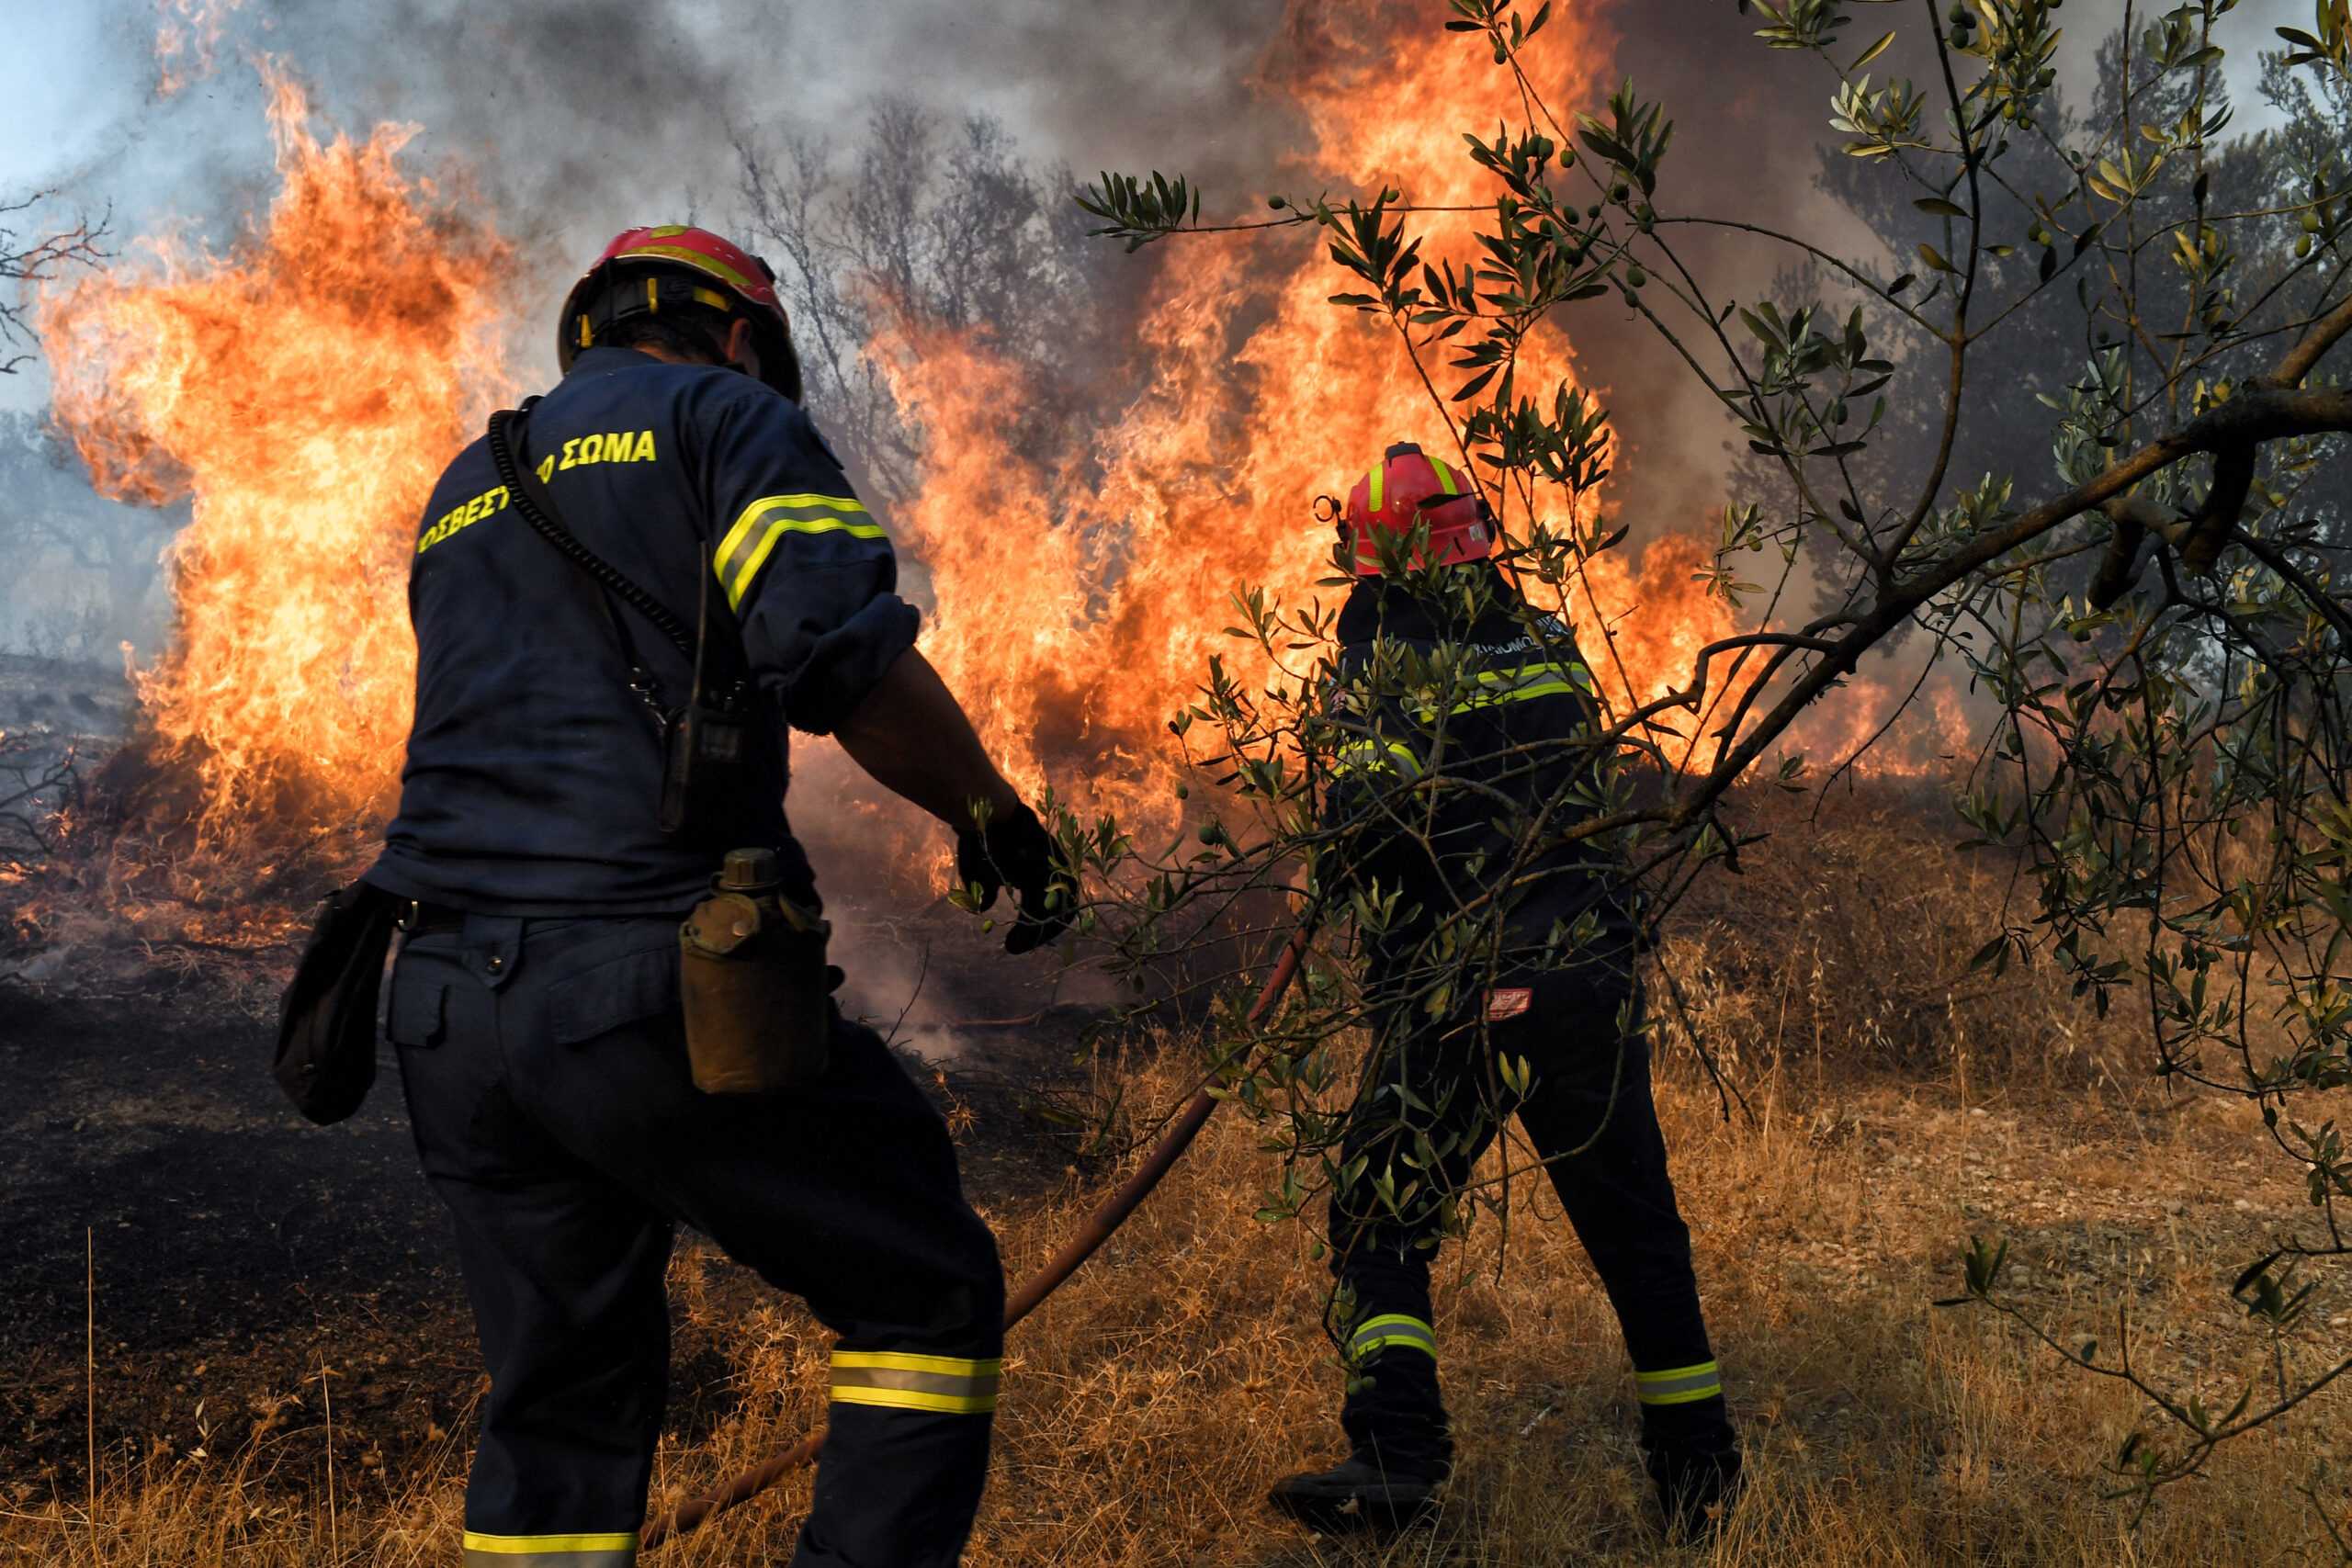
(1106, 1219)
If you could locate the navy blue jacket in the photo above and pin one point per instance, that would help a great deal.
(533, 779)
(1452, 731)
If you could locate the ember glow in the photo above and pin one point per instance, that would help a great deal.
(302, 391)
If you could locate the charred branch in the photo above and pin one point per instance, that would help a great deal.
(34, 258)
(38, 782)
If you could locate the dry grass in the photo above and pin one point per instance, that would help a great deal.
(1159, 1394)
(1849, 944)
(1149, 1404)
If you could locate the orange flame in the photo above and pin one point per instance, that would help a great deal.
(1080, 596)
(303, 391)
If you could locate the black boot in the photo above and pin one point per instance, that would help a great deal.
(1400, 1453)
(1360, 1493)
(1696, 1487)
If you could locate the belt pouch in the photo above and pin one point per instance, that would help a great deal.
(753, 985)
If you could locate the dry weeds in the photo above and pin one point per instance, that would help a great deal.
(1149, 1404)
(1154, 1400)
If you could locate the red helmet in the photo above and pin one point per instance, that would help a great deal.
(1407, 488)
(680, 266)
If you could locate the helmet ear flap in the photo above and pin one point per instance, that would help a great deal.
(779, 357)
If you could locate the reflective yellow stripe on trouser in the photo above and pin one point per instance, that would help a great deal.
(1391, 1331)
(604, 1550)
(1680, 1385)
(946, 1384)
(745, 547)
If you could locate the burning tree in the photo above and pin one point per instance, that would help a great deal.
(931, 230)
(2160, 618)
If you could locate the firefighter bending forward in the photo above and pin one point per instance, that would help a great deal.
(1571, 1016)
(536, 1003)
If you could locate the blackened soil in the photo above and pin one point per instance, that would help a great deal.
(184, 1264)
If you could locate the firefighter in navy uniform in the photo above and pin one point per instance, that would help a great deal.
(536, 1001)
(1428, 806)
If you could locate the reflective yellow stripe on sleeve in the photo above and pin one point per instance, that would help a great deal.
(901, 1381)
(613, 1549)
(1680, 1385)
(1525, 683)
(746, 547)
(1376, 757)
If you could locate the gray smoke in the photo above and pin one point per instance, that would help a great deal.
(576, 119)
(573, 119)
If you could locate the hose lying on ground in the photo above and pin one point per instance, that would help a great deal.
(1105, 1219)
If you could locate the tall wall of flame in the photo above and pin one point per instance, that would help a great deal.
(302, 391)
(1080, 595)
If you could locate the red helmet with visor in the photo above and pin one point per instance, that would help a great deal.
(1409, 488)
(666, 265)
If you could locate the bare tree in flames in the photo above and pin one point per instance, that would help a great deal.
(930, 226)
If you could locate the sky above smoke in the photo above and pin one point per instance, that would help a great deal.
(576, 117)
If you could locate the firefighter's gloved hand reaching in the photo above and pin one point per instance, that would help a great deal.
(1015, 851)
(911, 736)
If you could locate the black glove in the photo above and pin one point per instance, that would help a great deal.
(1016, 850)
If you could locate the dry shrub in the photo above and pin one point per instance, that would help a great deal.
(1847, 938)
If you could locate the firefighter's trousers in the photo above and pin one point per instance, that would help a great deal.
(547, 1079)
(1432, 1100)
